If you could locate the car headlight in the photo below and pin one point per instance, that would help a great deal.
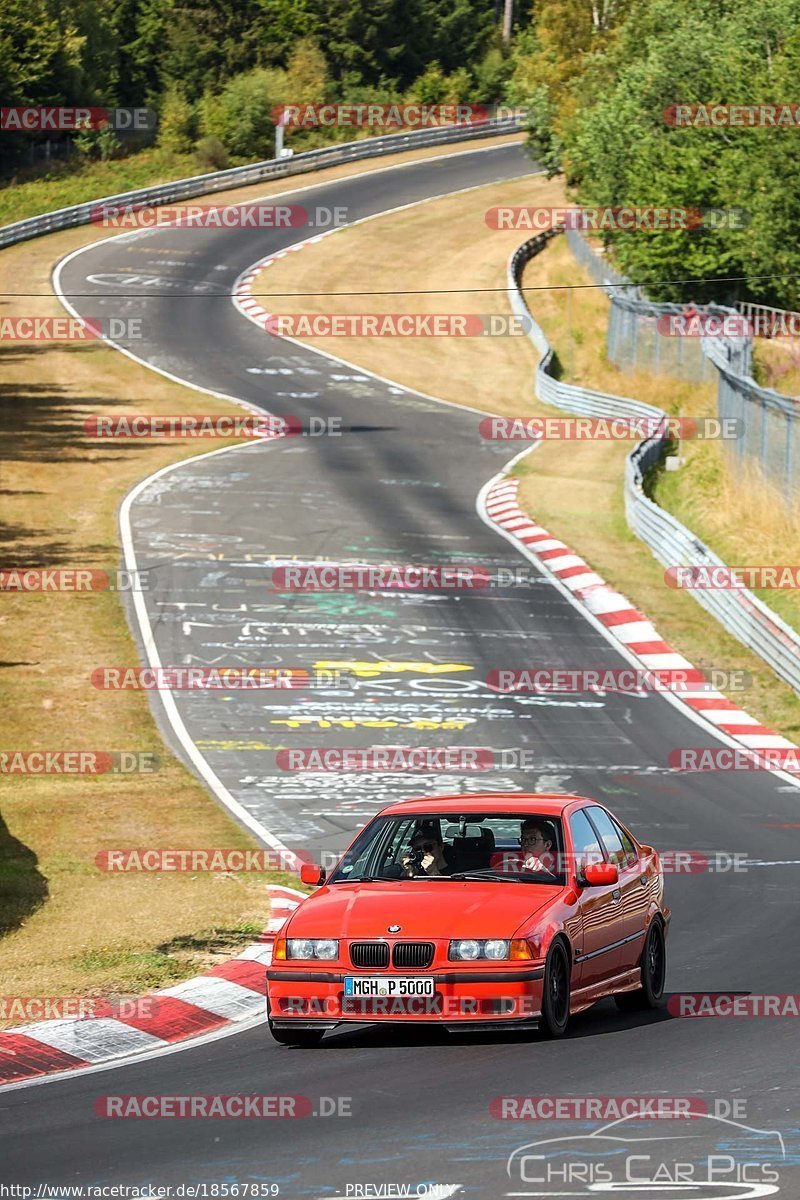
(466, 950)
(469, 949)
(496, 948)
(326, 948)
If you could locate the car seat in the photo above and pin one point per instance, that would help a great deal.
(473, 853)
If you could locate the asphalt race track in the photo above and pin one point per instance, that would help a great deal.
(400, 484)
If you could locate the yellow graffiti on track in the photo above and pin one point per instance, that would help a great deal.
(365, 723)
(369, 670)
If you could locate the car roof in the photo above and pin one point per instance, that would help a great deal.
(547, 803)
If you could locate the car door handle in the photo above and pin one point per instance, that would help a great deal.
(616, 895)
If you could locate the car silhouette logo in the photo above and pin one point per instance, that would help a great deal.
(634, 1164)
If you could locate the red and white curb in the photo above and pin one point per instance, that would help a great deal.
(243, 298)
(622, 621)
(230, 992)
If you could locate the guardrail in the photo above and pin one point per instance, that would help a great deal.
(769, 421)
(764, 313)
(738, 610)
(633, 338)
(273, 168)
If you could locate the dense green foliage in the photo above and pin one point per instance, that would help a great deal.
(596, 76)
(598, 92)
(214, 69)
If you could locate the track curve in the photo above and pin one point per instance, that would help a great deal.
(400, 483)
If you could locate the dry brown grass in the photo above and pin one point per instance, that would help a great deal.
(71, 928)
(777, 364)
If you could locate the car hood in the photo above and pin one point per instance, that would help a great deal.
(446, 909)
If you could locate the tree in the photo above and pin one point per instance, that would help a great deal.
(241, 115)
(306, 73)
(177, 123)
(598, 80)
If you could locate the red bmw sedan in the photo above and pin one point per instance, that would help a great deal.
(488, 912)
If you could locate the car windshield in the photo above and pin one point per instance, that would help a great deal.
(507, 847)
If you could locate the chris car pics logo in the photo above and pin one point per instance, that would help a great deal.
(707, 1158)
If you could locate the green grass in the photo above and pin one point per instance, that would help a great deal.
(731, 507)
(74, 181)
(139, 970)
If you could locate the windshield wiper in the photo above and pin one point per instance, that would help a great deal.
(363, 879)
(494, 876)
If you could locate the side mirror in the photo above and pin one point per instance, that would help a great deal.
(599, 874)
(311, 873)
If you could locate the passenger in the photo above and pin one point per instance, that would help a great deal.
(426, 854)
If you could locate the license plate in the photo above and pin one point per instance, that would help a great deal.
(365, 985)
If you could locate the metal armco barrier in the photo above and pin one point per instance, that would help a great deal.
(738, 610)
(273, 168)
(770, 421)
(633, 339)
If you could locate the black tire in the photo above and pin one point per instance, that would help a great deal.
(653, 966)
(555, 992)
(296, 1037)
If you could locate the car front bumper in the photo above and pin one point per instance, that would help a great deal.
(308, 999)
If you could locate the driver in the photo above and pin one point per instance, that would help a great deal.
(537, 847)
(426, 853)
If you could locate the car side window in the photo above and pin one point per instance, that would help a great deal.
(585, 844)
(631, 855)
(610, 837)
(374, 853)
(400, 842)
